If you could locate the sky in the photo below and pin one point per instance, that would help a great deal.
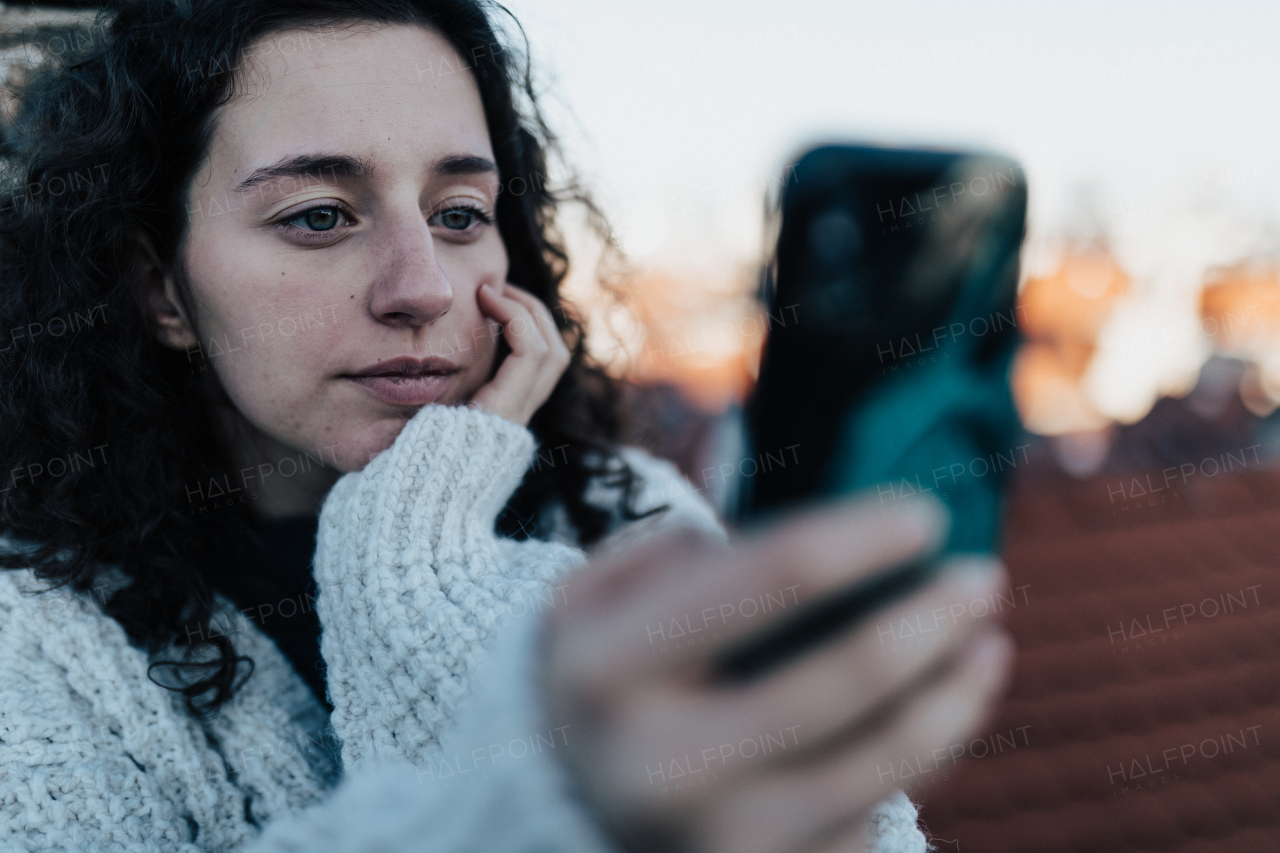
(1154, 123)
(681, 112)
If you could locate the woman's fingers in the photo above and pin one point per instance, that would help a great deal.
(857, 672)
(790, 808)
(519, 329)
(535, 328)
(542, 316)
(538, 356)
(792, 761)
(720, 597)
(823, 693)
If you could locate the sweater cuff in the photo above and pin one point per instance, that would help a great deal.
(446, 478)
(465, 457)
(892, 827)
(505, 738)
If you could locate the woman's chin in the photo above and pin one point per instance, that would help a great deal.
(360, 448)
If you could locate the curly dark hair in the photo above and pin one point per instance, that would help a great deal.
(103, 148)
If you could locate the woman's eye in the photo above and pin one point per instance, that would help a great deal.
(456, 219)
(461, 218)
(317, 219)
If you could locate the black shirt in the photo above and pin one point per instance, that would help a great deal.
(274, 588)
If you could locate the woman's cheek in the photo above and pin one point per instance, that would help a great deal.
(468, 267)
(478, 361)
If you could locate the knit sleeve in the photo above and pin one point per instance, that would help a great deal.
(412, 577)
(413, 582)
(496, 783)
(665, 499)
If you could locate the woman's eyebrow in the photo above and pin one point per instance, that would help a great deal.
(333, 166)
(463, 164)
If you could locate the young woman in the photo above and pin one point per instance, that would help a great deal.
(283, 275)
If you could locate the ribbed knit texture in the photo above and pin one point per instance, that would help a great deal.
(412, 583)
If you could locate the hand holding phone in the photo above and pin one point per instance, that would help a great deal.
(671, 757)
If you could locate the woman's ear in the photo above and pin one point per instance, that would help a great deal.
(158, 298)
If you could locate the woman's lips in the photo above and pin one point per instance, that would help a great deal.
(405, 390)
(406, 381)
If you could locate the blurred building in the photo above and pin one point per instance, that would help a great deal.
(1240, 310)
(1062, 315)
(1066, 313)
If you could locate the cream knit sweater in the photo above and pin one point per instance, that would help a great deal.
(413, 583)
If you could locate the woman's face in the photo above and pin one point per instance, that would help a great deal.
(338, 233)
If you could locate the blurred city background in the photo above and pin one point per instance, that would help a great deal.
(1150, 291)
(1148, 380)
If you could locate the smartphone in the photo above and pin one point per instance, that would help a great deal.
(892, 325)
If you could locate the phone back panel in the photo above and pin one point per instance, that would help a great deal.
(892, 328)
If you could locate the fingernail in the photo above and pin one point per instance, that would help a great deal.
(977, 574)
(930, 516)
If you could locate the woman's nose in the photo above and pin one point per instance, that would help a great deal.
(410, 289)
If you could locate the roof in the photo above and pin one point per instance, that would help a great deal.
(1144, 712)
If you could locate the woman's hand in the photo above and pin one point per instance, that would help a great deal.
(538, 356)
(673, 760)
